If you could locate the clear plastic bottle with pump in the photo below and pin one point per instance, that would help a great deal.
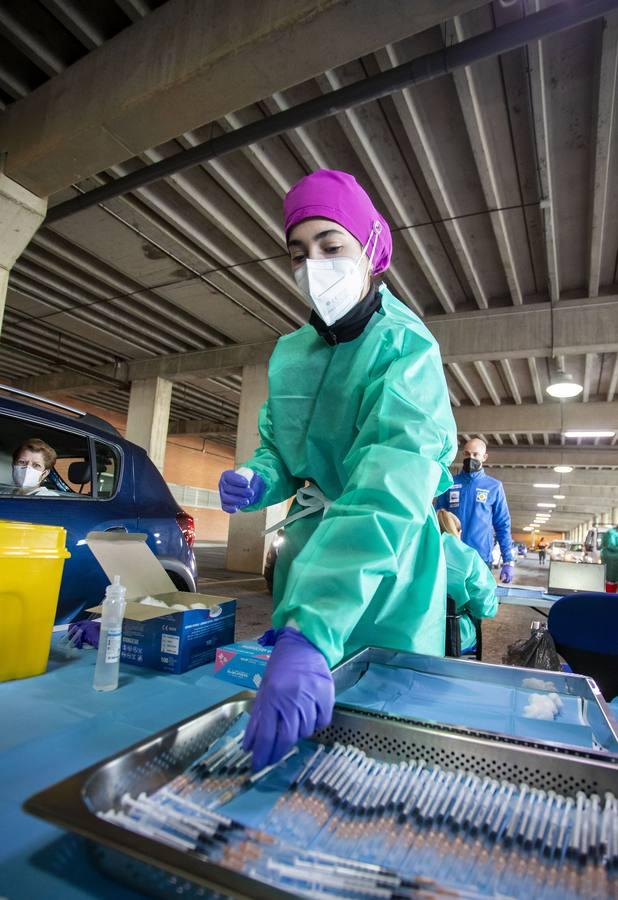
(108, 655)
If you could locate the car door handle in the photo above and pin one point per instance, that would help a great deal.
(118, 528)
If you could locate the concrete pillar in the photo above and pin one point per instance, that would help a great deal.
(21, 214)
(247, 546)
(149, 415)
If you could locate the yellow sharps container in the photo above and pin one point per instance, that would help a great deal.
(31, 562)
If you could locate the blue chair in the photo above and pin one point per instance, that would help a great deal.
(584, 627)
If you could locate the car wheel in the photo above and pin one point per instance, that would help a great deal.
(179, 583)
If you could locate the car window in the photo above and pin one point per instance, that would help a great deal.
(42, 461)
(73, 473)
(108, 469)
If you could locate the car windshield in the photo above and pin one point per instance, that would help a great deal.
(578, 548)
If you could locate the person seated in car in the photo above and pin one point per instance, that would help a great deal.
(32, 462)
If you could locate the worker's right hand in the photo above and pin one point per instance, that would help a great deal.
(237, 491)
(295, 699)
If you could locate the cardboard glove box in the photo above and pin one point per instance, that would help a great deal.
(159, 637)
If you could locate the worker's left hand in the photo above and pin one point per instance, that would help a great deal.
(295, 699)
(85, 632)
(506, 573)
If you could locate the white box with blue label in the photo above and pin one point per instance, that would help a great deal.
(163, 628)
(242, 663)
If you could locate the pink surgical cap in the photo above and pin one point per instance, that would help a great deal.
(329, 194)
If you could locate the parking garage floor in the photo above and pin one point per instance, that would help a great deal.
(254, 601)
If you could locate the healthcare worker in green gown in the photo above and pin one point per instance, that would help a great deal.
(468, 580)
(609, 556)
(359, 426)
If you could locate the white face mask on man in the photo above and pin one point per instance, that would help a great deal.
(332, 287)
(26, 476)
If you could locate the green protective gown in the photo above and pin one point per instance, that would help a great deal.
(471, 585)
(369, 423)
(609, 554)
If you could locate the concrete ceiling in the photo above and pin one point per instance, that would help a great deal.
(500, 182)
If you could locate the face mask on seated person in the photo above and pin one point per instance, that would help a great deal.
(332, 287)
(26, 476)
(472, 465)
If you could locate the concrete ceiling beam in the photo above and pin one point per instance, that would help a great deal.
(486, 147)
(580, 326)
(537, 68)
(604, 127)
(578, 479)
(199, 60)
(549, 457)
(605, 496)
(552, 417)
(362, 126)
(416, 122)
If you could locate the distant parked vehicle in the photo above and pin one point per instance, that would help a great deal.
(593, 542)
(557, 549)
(574, 553)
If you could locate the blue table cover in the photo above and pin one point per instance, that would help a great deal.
(55, 725)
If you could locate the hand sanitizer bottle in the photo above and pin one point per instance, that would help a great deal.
(108, 656)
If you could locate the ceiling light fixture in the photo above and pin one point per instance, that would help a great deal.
(559, 496)
(545, 485)
(547, 505)
(563, 470)
(563, 386)
(588, 434)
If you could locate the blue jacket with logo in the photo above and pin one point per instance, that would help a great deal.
(479, 503)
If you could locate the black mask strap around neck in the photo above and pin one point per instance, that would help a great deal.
(352, 324)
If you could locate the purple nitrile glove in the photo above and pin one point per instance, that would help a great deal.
(268, 638)
(295, 699)
(236, 491)
(506, 573)
(85, 632)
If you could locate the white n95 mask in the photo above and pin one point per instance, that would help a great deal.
(26, 477)
(332, 287)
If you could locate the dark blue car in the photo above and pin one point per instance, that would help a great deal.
(99, 482)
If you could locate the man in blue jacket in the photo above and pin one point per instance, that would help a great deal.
(479, 503)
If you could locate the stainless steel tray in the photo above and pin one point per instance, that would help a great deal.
(350, 670)
(160, 870)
